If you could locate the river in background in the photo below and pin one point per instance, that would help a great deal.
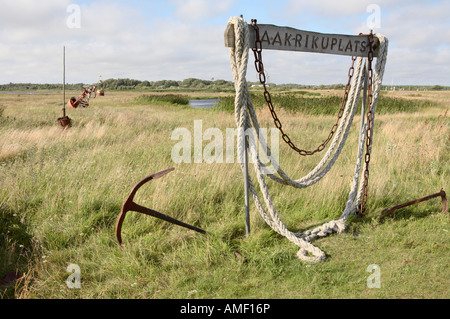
(203, 103)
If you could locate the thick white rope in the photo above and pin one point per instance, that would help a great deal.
(245, 117)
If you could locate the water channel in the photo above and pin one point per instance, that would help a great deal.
(203, 103)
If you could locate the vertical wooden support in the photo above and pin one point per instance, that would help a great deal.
(247, 202)
(64, 81)
(64, 121)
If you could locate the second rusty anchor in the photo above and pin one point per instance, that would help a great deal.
(130, 205)
(441, 194)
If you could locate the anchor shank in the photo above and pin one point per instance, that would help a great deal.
(147, 211)
(442, 194)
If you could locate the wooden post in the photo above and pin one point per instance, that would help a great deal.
(366, 78)
(64, 121)
(246, 199)
(64, 81)
(247, 202)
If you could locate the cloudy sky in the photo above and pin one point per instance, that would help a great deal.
(178, 39)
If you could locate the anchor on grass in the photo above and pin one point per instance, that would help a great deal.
(441, 194)
(130, 205)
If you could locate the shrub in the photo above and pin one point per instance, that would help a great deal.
(164, 99)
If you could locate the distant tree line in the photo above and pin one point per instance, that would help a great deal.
(168, 85)
(38, 87)
(191, 84)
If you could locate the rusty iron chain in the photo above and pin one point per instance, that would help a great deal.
(259, 66)
(369, 124)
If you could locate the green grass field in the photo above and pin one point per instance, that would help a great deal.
(61, 192)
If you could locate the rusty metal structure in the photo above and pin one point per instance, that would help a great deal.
(83, 99)
(64, 121)
(441, 194)
(74, 102)
(369, 133)
(259, 67)
(130, 205)
(100, 91)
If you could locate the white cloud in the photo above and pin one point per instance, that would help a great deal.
(116, 39)
(192, 10)
(418, 33)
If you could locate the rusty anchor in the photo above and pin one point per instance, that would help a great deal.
(130, 205)
(442, 194)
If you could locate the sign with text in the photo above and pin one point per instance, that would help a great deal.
(289, 39)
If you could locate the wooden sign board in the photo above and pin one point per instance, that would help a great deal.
(289, 39)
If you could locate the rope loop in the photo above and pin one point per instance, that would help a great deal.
(245, 117)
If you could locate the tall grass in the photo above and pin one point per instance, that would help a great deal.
(61, 192)
(294, 102)
(162, 99)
